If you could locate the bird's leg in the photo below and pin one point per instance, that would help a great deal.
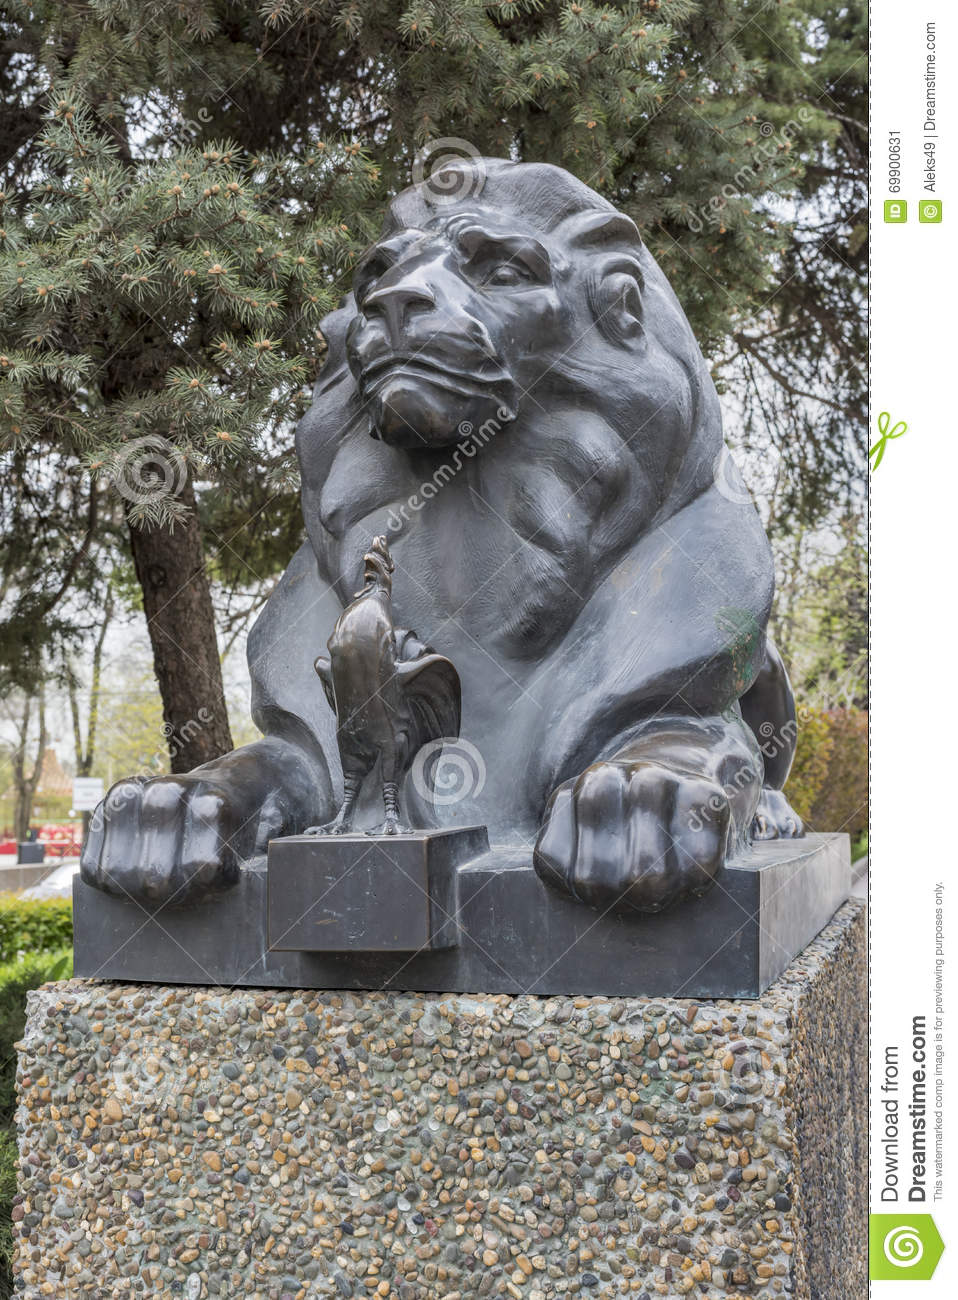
(342, 823)
(391, 804)
(392, 824)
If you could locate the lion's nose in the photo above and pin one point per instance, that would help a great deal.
(395, 303)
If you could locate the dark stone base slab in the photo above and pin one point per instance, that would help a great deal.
(516, 936)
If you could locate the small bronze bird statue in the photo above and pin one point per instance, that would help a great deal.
(392, 694)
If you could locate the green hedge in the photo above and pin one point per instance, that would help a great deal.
(828, 783)
(8, 1190)
(34, 925)
(16, 980)
(842, 800)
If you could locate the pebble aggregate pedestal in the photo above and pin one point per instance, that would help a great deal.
(285, 1144)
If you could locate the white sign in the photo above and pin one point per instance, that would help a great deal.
(87, 792)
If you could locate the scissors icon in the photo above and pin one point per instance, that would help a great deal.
(887, 433)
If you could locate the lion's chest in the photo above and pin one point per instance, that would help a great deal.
(501, 549)
(466, 572)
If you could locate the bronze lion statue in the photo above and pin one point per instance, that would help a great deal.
(513, 396)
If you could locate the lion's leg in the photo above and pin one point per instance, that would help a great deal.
(768, 706)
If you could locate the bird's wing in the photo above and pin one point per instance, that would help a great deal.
(432, 698)
(325, 671)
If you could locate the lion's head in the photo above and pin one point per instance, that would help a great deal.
(498, 289)
(508, 298)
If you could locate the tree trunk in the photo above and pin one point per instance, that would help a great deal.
(84, 754)
(179, 612)
(25, 783)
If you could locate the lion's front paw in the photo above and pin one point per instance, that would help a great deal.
(775, 818)
(633, 835)
(170, 839)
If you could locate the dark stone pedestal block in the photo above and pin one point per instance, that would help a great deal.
(514, 934)
(348, 893)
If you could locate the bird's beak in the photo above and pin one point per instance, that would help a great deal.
(377, 562)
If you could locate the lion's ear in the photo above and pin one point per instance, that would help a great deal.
(615, 296)
(615, 281)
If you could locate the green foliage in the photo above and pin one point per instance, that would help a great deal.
(177, 301)
(158, 324)
(828, 783)
(800, 365)
(810, 764)
(837, 600)
(842, 800)
(8, 1190)
(696, 116)
(33, 925)
(821, 615)
(50, 516)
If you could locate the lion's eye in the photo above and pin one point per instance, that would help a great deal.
(507, 273)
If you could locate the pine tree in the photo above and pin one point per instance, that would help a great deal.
(667, 106)
(155, 323)
(800, 363)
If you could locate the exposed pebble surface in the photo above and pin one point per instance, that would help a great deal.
(279, 1145)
